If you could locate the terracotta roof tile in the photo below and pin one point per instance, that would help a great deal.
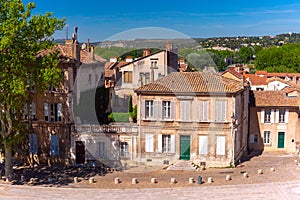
(191, 82)
(257, 80)
(86, 57)
(233, 72)
(273, 99)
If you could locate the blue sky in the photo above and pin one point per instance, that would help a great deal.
(99, 20)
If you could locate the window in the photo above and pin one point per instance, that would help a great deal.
(203, 110)
(149, 109)
(166, 109)
(166, 145)
(267, 116)
(52, 89)
(147, 78)
(33, 144)
(101, 147)
(31, 113)
(220, 145)
(124, 150)
(55, 112)
(281, 116)
(267, 137)
(127, 77)
(253, 139)
(203, 145)
(159, 75)
(46, 112)
(220, 111)
(185, 110)
(149, 140)
(54, 145)
(153, 63)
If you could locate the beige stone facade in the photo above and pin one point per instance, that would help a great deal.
(203, 125)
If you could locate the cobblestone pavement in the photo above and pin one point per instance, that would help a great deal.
(267, 191)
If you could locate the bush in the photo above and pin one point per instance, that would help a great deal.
(119, 117)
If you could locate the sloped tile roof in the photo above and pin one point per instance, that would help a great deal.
(86, 57)
(191, 82)
(273, 99)
(64, 52)
(257, 80)
(233, 72)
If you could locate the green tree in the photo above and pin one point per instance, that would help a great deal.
(22, 37)
(244, 55)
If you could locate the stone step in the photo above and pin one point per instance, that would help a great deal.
(184, 165)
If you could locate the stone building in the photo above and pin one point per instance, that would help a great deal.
(193, 115)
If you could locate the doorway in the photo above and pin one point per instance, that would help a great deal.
(281, 140)
(185, 147)
(80, 152)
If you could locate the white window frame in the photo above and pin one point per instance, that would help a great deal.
(267, 137)
(166, 109)
(149, 109)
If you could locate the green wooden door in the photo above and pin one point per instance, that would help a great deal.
(280, 140)
(185, 147)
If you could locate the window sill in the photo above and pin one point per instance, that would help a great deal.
(149, 119)
(168, 120)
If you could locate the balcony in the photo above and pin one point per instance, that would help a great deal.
(111, 128)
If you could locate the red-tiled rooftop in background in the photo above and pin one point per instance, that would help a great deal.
(275, 74)
(191, 82)
(257, 80)
(261, 73)
(233, 72)
(273, 98)
(64, 52)
(86, 57)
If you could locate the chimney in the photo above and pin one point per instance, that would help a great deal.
(75, 46)
(146, 52)
(169, 46)
(92, 53)
(88, 45)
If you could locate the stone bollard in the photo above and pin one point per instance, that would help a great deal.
(210, 180)
(173, 180)
(134, 181)
(260, 171)
(191, 180)
(153, 180)
(202, 168)
(91, 180)
(272, 169)
(245, 175)
(117, 180)
(228, 178)
(75, 179)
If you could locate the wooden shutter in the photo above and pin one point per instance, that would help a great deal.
(54, 145)
(203, 145)
(173, 144)
(159, 143)
(203, 111)
(157, 110)
(262, 116)
(277, 116)
(143, 109)
(272, 116)
(286, 117)
(149, 143)
(220, 145)
(172, 110)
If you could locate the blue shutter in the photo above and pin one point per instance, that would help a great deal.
(54, 145)
(33, 146)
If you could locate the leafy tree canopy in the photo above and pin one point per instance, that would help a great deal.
(22, 37)
(279, 59)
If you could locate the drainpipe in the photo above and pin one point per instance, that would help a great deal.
(139, 129)
(232, 130)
